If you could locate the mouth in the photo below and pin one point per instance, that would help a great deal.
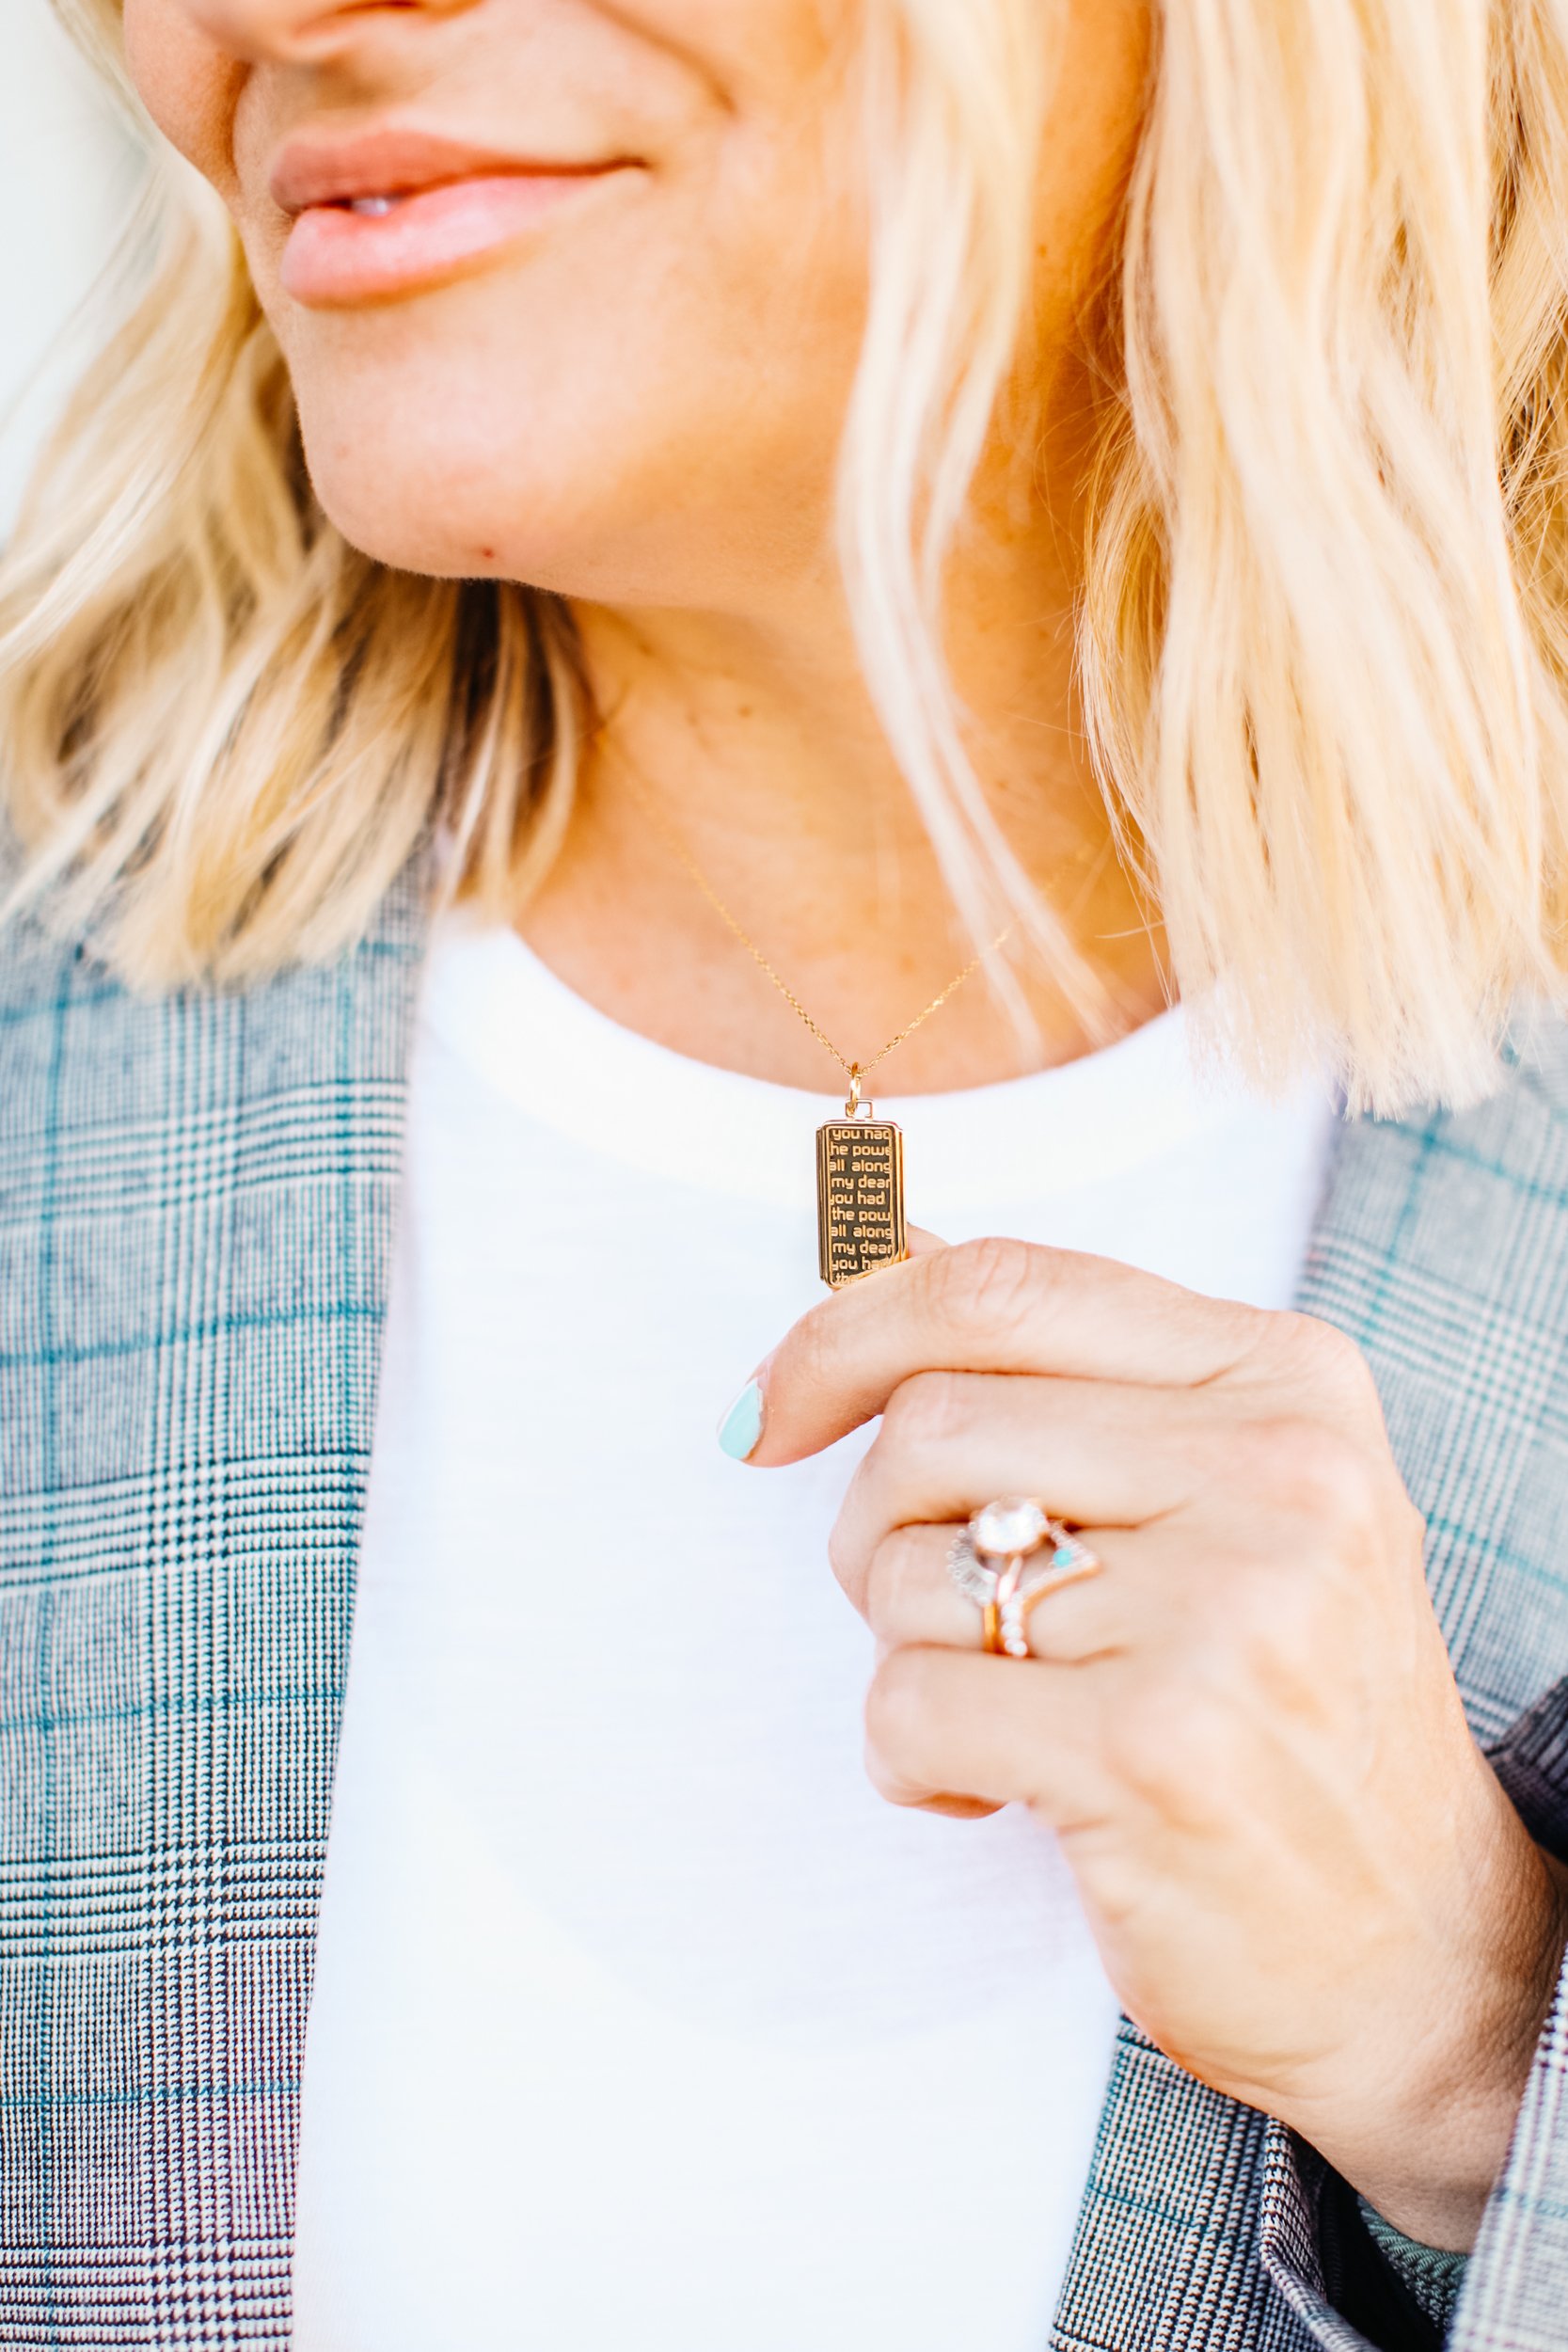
(391, 212)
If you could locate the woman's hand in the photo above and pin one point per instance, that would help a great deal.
(1305, 1882)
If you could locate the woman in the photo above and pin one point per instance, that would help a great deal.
(629, 555)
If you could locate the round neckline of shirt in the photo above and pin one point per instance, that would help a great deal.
(488, 998)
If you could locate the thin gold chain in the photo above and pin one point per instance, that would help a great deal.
(854, 1071)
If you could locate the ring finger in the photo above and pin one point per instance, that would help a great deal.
(912, 1602)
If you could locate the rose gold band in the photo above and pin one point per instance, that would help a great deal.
(1079, 1573)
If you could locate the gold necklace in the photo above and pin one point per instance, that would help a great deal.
(859, 1157)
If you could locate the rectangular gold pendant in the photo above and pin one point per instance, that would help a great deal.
(860, 1198)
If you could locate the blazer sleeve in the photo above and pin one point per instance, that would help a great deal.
(1355, 2282)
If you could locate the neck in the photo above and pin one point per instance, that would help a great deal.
(754, 741)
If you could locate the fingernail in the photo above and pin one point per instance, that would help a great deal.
(741, 1426)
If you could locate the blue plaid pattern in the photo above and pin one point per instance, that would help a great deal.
(196, 1199)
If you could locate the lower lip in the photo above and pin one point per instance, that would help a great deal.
(335, 256)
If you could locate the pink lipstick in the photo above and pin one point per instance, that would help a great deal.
(388, 212)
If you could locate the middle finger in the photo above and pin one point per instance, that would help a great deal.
(1094, 1452)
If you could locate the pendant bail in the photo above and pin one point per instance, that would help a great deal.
(852, 1107)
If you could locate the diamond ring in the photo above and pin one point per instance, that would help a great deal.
(1011, 1554)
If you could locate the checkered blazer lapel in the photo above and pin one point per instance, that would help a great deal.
(196, 1200)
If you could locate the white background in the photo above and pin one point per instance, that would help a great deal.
(67, 169)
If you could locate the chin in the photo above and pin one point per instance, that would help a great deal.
(593, 510)
(402, 515)
(450, 524)
(429, 469)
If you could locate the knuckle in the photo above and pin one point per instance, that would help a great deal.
(844, 1558)
(1147, 1736)
(924, 1411)
(1330, 1360)
(1173, 1748)
(1312, 1470)
(995, 1282)
(1410, 1530)
(1275, 1623)
(894, 1581)
(899, 1708)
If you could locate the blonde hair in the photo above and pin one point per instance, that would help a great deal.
(1324, 623)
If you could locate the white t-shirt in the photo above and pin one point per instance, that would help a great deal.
(639, 2019)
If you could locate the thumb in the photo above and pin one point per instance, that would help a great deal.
(741, 1427)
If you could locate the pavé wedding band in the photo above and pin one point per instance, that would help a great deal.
(1011, 1554)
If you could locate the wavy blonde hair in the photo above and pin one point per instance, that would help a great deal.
(1324, 618)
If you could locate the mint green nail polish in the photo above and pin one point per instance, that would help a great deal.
(741, 1426)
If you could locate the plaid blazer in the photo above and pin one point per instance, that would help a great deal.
(197, 1196)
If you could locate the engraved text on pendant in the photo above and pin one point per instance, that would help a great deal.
(860, 1198)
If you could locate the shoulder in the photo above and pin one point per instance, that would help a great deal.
(69, 1019)
(87, 1062)
(1439, 1186)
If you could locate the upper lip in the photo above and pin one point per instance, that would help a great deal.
(391, 161)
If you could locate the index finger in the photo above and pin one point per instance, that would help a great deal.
(988, 1306)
